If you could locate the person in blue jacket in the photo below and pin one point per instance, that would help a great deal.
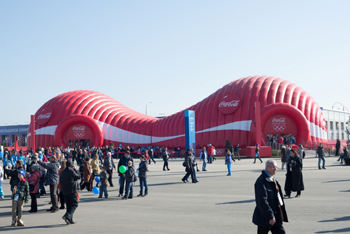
(13, 157)
(1, 154)
(22, 158)
(228, 161)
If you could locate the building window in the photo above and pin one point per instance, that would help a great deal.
(336, 125)
(342, 125)
(342, 136)
(331, 125)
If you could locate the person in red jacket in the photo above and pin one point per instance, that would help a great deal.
(33, 181)
(210, 152)
(280, 141)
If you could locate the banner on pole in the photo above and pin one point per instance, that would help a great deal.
(190, 130)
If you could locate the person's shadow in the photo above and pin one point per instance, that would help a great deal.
(13, 229)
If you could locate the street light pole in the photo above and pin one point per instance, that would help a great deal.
(146, 106)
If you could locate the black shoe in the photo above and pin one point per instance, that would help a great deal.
(111, 185)
(197, 181)
(49, 210)
(168, 169)
(72, 222)
(183, 180)
(164, 170)
(120, 195)
(287, 196)
(319, 168)
(140, 195)
(187, 181)
(198, 170)
(228, 174)
(130, 197)
(204, 170)
(323, 168)
(124, 198)
(54, 211)
(62, 208)
(144, 195)
(194, 181)
(32, 211)
(66, 220)
(297, 195)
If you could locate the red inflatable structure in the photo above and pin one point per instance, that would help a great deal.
(228, 114)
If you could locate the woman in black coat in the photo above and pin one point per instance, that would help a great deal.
(294, 178)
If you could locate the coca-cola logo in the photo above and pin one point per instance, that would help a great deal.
(229, 104)
(44, 116)
(280, 120)
(79, 131)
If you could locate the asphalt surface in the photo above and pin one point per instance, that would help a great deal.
(217, 204)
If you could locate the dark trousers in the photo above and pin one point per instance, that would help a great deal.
(275, 229)
(5, 175)
(188, 173)
(41, 186)
(151, 158)
(53, 195)
(129, 191)
(72, 204)
(62, 199)
(33, 204)
(336, 151)
(165, 165)
(87, 185)
(121, 184)
(110, 174)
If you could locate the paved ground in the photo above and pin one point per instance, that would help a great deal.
(217, 204)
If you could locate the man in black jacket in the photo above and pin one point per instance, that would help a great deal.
(123, 162)
(270, 212)
(69, 182)
(14, 173)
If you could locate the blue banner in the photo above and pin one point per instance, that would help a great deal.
(14, 129)
(190, 130)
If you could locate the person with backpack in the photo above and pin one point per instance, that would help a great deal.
(129, 178)
(33, 179)
(228, 161)
(203, 156)
(143, 177)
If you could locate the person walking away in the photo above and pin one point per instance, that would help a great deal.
(87, 174)
(228, 161)
(294, 178)
(203, 156)
(129, 178)
(103, 182)
(236, 152)
(33, 180)
(320, 154)
(270, 212)
(124, 160)
(20, 194)
(337, 148)
(189, 168)
(52, 179)
(2, 195)
(210, 152)
(283, 156)
(257, 154)
(60, 195)
(69, 184)
(165, 156)
(143, 177)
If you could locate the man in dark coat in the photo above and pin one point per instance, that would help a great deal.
(294, 177)
(165, 156)
(320, 154)
(189, 167)
(52, 179)
(337, 147)
(123, 162)
(270, 212)
(69, 183)
(109, 165)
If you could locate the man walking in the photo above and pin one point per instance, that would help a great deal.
(270, 212)
(69, 183)
(320, 154)
(124, 160)
(165, 159)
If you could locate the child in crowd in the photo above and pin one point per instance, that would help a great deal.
(228, 161)
(129, 178)
(20, 194)
(143, 176)
(103, 183)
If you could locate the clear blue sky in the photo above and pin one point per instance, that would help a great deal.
(173, 53)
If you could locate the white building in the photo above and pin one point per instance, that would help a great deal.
(336, 121)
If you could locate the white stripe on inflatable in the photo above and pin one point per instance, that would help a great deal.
(50, 130)
(239, 125)
(317, 131)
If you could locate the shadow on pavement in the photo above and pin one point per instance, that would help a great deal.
(336, 230)
(345, 218)
(161, 184)
(236, 202)
(13, 229)
(334, 181)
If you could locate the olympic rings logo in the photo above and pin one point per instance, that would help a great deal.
(219, 151)
(279, 128)
(79, 134)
